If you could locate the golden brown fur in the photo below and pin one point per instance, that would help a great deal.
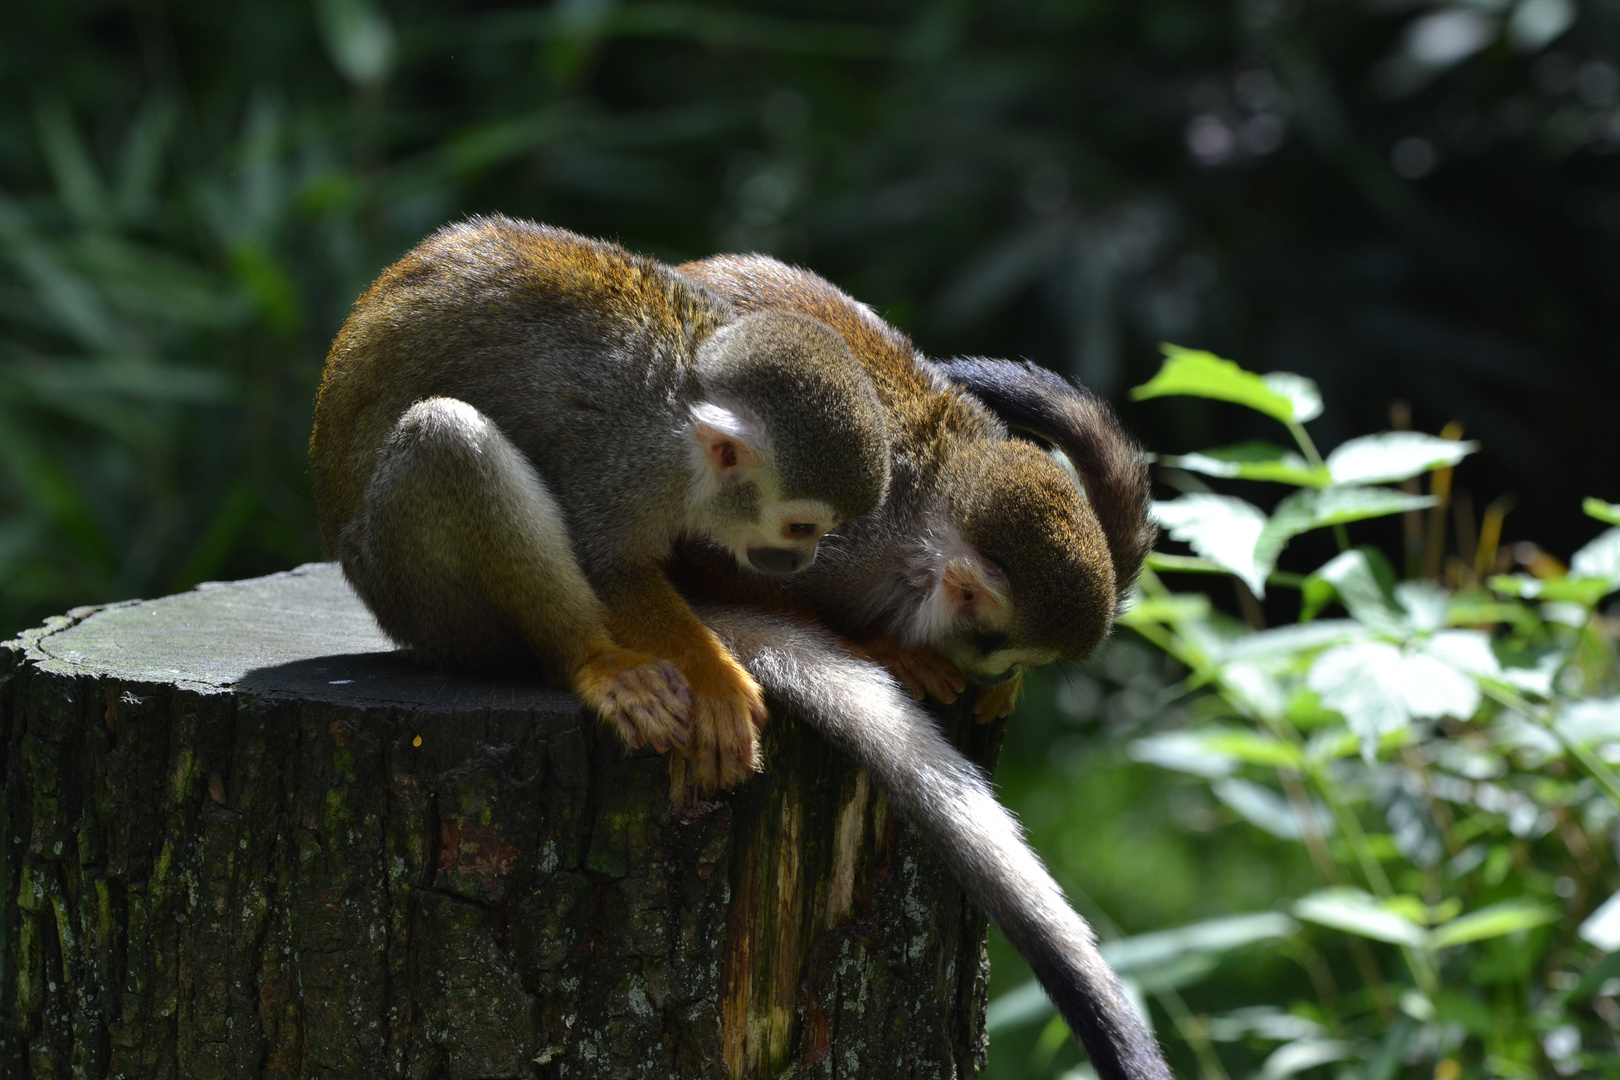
(517, 424)
(957, 479)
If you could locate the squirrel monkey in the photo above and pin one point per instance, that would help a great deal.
(986, 557)
(515, 426)
(949, 800)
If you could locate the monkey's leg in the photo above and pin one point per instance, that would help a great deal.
(728, 709)
(463, 554)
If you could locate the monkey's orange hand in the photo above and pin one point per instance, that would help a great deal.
(642, 698)
(727, 708)
(995, 702)
(920, 671)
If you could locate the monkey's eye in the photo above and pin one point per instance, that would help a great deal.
(802, 528)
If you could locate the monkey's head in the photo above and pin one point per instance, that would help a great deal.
(789, 440)
(1015, 571)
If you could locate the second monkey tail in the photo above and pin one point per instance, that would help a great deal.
(864, 714)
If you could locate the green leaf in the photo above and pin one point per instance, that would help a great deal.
(1394, 455)
(1508, 917)
(1263, 808)
(1299, 390)
(1220, 528)
(1309, 509)
(1599, 559)
(1195, 373)
(1363, 580)
(1133, 956)
(358, 38)
(1180, 607)
(1254, 748)
(1252, 461)
(1356, 912)
(1185, 751)
(1584, 590)
(1301, 1054)
(1590, 722)
(1606, 512)
(1379, 688)
(1017, 1007)
(1306, 510)
(1602, 927)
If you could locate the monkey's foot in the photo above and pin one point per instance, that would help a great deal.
(645, 700)
(920, 671)
(995, 702)
(728, 710)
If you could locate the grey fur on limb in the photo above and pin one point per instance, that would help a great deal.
(226, 855)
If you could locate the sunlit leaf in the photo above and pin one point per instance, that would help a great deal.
(1185, 751)
(1602, 927)
(1221, 528)
(1265, 1021)
(1253, 689)
(1264, 808)
(1016, 1008)
(1590, 722)
(1465, 650)
(1606, 512)
(1134, 955)
(1252, 461)
(358, 38)
(1286, 641)
(1302, 1054)
(1355, 912)
(1305, 510)
(1363, 580)
(1254, 748)
(1379, 688)
(1426, 604)
(1201, 374)
(1508, 917)
(1392, 456)
(1599, 559)
(1181, 607)
(1573, 590)
(1300, 392)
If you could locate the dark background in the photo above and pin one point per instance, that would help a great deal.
(1408, 202)
(191, 194)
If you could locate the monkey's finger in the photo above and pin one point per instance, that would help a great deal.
(626, 729)
(678, 688)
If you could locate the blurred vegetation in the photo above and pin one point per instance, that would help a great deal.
(1384, 841)
(1414, 203)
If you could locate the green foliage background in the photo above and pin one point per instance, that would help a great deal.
(1412, 202)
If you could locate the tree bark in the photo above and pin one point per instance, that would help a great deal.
(243, 837)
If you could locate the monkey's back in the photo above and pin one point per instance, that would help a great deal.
(927, 413)
(545, 332)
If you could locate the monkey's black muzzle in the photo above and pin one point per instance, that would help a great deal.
(772, 560)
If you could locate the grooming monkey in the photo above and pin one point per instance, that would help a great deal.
(515, 426)
(985, 551)
(985, 557)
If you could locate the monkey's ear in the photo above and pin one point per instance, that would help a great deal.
(729, 445)
(972, 588)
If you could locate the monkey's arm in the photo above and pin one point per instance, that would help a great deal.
(949, 800)
(646, 613)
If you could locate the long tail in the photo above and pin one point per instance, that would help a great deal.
(862, 712)
(1082, 425)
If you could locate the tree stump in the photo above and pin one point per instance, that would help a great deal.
(244, 837)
